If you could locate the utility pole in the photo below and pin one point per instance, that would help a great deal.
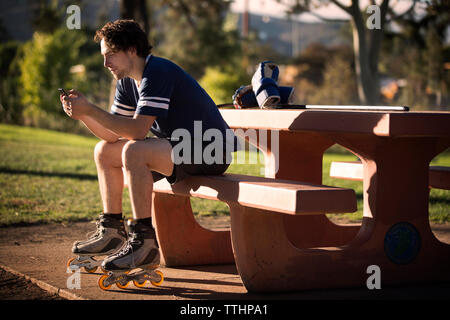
(295, 37)
(245, 24)
(245, 20)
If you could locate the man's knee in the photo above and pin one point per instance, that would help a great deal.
(154, 154)
(106, 153)
(132, 154)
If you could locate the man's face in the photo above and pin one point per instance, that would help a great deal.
(118, 62)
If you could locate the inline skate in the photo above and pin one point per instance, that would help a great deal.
(135, 262)
(109, 236)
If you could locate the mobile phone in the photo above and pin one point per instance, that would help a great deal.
(63, 92)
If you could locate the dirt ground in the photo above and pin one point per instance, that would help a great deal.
(15, 287)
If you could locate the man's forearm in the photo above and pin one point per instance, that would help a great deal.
(127, 128)
(99, 131)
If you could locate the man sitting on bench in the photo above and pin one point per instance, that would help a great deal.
(154, 94)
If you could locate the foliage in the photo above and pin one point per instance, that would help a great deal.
(46, 16)
(412, 50)
(222, 83)
(415, 51)
(366, 43)
(421, 30)
(326, 76)
(192, 34)
(65, 58)
(55, 57)
(45, 66)
(339, 85)
(10, 104)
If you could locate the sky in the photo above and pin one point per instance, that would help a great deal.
(275, 9)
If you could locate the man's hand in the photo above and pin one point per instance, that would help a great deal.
(75, 105)
(103, 124)
(65, 104)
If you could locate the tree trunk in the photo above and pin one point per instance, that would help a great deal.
(366, 47)
(136, 10)
(363, 75)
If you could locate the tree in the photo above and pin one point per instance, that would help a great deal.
(433, 56)
(415, 51)
(10, 105)
(221, 83)
(45, 67)
(46, 16)
(136, 10)
(338, 82)
(366, 42)
(325, 75)
(193, 34)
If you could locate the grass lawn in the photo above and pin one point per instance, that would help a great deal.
(48, 176)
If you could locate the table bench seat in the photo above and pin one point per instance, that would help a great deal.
(184, 242)
(439, 177)
(278, 195)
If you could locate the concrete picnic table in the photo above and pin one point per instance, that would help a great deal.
(284, 253)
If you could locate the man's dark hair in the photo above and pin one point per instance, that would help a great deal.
(124, 34)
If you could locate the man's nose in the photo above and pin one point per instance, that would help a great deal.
(106, 62)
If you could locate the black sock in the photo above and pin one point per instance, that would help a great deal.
(145, 221)
(117, 216)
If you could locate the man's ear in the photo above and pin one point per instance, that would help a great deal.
(132, 50)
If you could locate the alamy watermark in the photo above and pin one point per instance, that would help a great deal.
(374, 20)
(212, 146)
(374, 280)
(74, 280)
(73, 21)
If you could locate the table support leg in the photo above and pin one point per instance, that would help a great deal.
(268, 262)
(182, 240)
(304, 163)
(318, 231)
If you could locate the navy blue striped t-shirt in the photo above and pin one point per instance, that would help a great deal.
(171, 95)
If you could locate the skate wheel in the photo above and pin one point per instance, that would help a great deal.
(139, 284)
(101, 282)
(122, 286)
(69, 262)
(90, 270)
(158, 283)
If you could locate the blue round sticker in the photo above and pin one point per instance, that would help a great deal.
(402, 243)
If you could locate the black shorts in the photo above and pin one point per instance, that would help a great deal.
(183, 170)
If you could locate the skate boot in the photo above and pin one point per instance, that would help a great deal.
(107, 239)
(136, 261)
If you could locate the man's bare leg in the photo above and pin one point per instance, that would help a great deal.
(108, 158)
(139, 158)
(109, 169)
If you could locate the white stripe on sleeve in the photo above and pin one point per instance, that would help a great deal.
(123, 112)
(153, 104)
(124, 105)
(155, 98)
